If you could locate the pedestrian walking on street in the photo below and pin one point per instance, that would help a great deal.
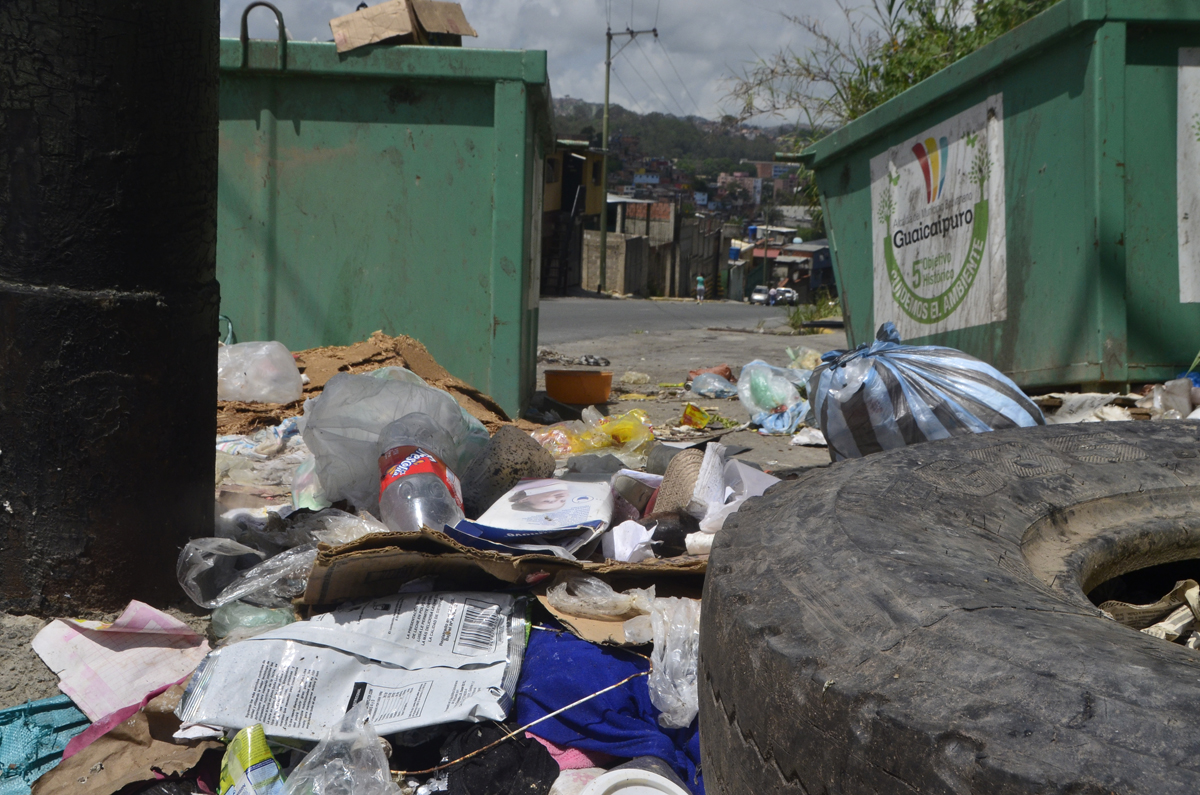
(771, 295)
(699, 289)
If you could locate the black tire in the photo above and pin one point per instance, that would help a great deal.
(916, 621)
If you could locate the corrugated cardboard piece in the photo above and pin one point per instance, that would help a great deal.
(413, 21)
(379, 564)
(374, 24)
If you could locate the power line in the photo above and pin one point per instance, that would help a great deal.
(695, 104)
(632, 96)
(662, 82)
(645, 82)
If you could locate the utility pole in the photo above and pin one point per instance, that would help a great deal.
(632, 34)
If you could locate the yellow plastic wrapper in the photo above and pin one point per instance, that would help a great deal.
(248, 768)
(626, 435)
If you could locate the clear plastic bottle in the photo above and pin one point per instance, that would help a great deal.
(416, 488)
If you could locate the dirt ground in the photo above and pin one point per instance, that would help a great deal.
(667, 356)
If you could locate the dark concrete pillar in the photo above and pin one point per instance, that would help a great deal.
(108, 298)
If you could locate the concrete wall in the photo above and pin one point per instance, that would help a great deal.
(626, 262)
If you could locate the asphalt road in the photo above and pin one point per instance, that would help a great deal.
(563, 320)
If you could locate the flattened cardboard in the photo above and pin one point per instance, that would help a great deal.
(441, 17)
(374, 24)
(379, 564)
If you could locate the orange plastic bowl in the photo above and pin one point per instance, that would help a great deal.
(581, 387)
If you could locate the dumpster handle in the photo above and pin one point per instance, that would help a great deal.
(246, 34)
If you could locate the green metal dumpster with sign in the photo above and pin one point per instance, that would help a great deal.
(1036, 204)
(391, 187)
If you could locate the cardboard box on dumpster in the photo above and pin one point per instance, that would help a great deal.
(407, 21)
(380, 564)
(394, 18)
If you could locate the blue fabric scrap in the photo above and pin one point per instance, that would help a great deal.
(559, 669)
(32, 739)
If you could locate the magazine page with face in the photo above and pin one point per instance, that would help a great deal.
(572, 513)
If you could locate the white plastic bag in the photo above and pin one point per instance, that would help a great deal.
(672, 682)
(349, 761)
(258, 372)
(342, 429)
(772, 396)
(582, 595)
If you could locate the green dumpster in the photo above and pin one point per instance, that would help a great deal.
(391, 187)
(1036, 204)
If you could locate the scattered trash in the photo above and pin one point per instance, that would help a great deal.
(672, 683)
(579, 594)
(1172, 400)
(809, 437)
(32, 739)
(401, 22)
(553, 357)
(921, 392)
(107, 667)
(417, 488)
(509, 457)
(632, 377)
(772, 396)
(722, 370)
(695, 416)
(248, 767)
(257, 372)
(416, 659)
(349, 759)
(518, 765)
(237, 620)
(711, 385)
(627, 436)
(644, 774)
(803, 358)
(559, 517)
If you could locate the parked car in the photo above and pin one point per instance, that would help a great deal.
(787, 296)
(759, 295)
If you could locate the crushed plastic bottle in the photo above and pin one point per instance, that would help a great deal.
(416, 488)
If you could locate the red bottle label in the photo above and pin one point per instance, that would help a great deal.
(401, 462)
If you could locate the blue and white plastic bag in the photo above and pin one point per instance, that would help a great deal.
(887, 395)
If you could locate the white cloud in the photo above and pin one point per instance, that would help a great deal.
(706, 41)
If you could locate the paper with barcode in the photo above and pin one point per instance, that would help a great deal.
(416, 659)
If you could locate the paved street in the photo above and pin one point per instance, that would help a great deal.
(572, 319)
(666, 339)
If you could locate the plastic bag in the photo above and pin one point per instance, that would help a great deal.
(334, 527)
(711, 385)
(342, 429)
(272, 583)
(237, 620)
(887, 395)
(627, 436)
(772, 396)
(306, 487)
(803, 358)
(258, 372)
(673, 677)
(1174, 395)
(590, 597)
(349, 761)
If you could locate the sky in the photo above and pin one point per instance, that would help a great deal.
(701, 43)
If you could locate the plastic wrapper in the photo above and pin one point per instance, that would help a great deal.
(711, 385)
(348, 761)
(803, 358)
(334, 527)
(415, 660)
(590, 597)
(207, 565)
(306, 487)
(272, 583)
(248, 767)
(237, 620)
(258, 372)
(627, 436)
(772, 396)
(887, 395)
(673, 676)
(342, 430)
(1173, 396)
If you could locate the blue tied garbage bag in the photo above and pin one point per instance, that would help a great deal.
(887, 395)
(32, 739)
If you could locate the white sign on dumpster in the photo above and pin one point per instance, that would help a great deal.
(937, 217)
(1187, 180)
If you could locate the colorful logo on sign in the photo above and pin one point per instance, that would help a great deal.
(932, 155)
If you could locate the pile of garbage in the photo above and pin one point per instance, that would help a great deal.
(406, 600)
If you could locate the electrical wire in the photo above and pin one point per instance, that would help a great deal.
(629, 93)
(662, 82)
(645, 82)
(695, 104)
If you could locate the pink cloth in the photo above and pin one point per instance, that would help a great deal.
(573, 758)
